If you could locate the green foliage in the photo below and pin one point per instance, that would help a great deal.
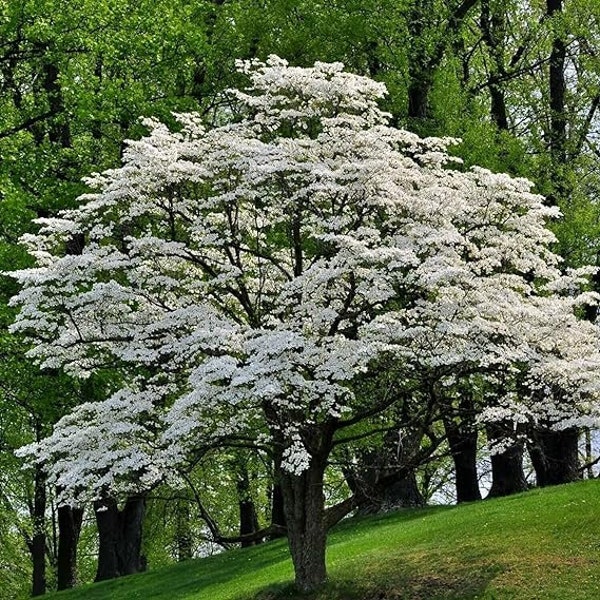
(15, 571)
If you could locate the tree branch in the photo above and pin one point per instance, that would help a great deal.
(27, 124)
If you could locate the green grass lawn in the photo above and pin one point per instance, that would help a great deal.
(541, 544)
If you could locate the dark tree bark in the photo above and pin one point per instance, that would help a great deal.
(130, 549)
(107, 522)
(56, 126)
(557, 88)
(247, 510)
(493, 31)
(427, 55)
(277, 508)
(304, 504)
(398, 490)
(462, 439)
(384, 479)
(557, 133)
(589, 458)
(507, 472)
(555, 456)
(37, 545)
(418, 96)
(69, 528)
(421, 64)
(120, 537)
(183, 533)
(380, 491)
(507, 467)
(59, 132)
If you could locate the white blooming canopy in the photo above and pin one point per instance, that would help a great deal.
(240, 278)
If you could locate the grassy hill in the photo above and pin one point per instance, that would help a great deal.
(541, 544)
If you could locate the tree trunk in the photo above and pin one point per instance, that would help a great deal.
(493, 28)
(557, 133)
(418, 98)
(381, 489)
(507, 467)
(304, 504)
(69, 528)
(38, 541)
(131, 520)
(589, 458)
(385, 478)
(248, 517)
(120, 537)
(106, 512)
(421, 65)
(398, 490)
(427, 48)
(557, 87)
(555, 456)
(277, 508)
(463, 447)
(183, 533)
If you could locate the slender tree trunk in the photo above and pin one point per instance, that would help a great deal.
(557, 87)
(69, 528)
(277, 508)
(421, 66)
(493, 28)
(555, 456)
(247, 510)
(589, 453)
(462, 439)
(183, 533)
(507, 467)
(38, 541)
(305, 517)
(57, 125)
(428, 47)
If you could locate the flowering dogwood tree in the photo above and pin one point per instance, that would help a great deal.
(243, 278)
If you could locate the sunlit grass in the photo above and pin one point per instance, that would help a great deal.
(542, 544)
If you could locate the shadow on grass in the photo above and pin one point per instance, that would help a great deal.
(459, 584)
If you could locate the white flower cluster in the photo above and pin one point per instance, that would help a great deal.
(255, 270)
(102, 448)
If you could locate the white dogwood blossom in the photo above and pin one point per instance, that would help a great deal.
(102, 448)
(260, 267)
